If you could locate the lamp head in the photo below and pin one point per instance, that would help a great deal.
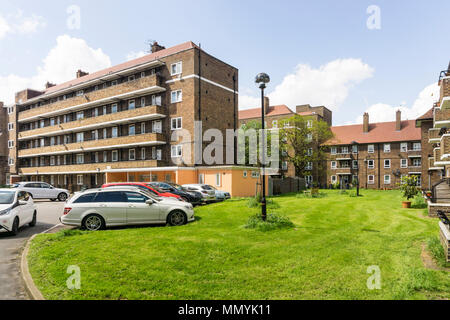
(262, 79)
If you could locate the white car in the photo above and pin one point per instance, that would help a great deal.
(208, 193)
(42, 190)
(16, 210)
(97, 209)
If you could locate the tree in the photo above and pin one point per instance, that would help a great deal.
(256, 126)
(302, 144)
(409, 187)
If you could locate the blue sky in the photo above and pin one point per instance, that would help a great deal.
(404, 56)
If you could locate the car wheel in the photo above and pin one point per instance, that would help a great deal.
(177, 218)
(62, 197)
(93, 222)
(15, 227)
(33, 222)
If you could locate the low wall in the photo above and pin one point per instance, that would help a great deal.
(434, 207)
(445, 240)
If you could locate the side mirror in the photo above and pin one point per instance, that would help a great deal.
(149, 202)
(22, 202)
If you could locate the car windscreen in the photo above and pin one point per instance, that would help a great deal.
(7, 197)
(207, 188)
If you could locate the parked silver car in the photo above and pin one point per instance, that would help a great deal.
(42, 190)
(208, 193)
(97, 209)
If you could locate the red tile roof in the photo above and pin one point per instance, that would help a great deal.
(273, 111)
(123, 66)
(428, 115)
(378, 133)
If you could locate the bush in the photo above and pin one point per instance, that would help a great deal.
(255, 203)
(437, 251)
(274, 221)
(409, 188)
(419, 202)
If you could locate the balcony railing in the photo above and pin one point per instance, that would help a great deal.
(126, 90)
(107, 120)
(147, 139)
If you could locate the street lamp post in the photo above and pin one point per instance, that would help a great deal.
(262, 79)
(354, 143)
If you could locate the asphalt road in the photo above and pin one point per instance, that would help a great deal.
(11, 286)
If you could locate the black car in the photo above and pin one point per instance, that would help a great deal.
(188, 196)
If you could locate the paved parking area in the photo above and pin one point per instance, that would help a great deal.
(11, 286)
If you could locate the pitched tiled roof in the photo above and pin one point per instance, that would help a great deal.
(378, 133)
(273, 111)
(129, 64)
(428, 115)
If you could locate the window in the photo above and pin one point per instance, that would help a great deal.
(417, 146)
(404, 163)
(218, 176)
(52, 160)
(176, 96)
(52, 121)
(96, 157)
(80, 137)
(80, 93)
(142, 102)
(135, 197)
(333, 150)
(371, 179)
(387, 179)
(104, 110)
(142, 127)
(41, 123)
(131, 130)
(284, 165)
(80, 115)
(131, 78)
(371, 148)
(370, 164)
(333, 165)
(114, 132)
(417, 162)
(10, 144)
(201, 178)
(115, 155)
(157, 126)
(131, 105)
(387, 147)
(310, 152)
(309, 166)
(10, 126)
(80, 179)
(309, 137)
(42, 142)
(176, 123)
(114, 83)
(10, 110)
(142, 153)
(176, 151)
(142, 74)
(114, 196)
(354, 149)
(355, 164)
(11, 161)
(344, 150)
(105, 156)
(403, 147)
(274, 124)
(176, 68)
(333, 179)
(309, 124)
(86, 198)
(94, 135)
(80, 158)
(52, 141)
(387, 163)
(105, 133)
(255, 174)
(132, 154)
(96, 112)
(245, 174)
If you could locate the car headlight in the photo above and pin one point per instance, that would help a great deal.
(5, 212)
(189, 206)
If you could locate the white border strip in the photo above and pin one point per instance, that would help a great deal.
(204, 79)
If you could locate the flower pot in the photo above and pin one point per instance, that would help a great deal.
(406, 204)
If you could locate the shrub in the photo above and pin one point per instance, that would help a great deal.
(254, 203)
(274, 221)
(408, 186)
(419, 202)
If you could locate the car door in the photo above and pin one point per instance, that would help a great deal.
(47, 191)
(138, 211)
(112, 205)
(24, 211)
(34, 189)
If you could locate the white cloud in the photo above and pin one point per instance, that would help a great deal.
(19, 24)
(60, 65)
(327, 85)
(381, 112)
(134, 55)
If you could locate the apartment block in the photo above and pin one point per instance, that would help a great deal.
(4, 151)
(378, 154)
(125, 123)
(274, 115)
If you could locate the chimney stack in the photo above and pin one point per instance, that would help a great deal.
(49, 85)
(398, 120)
(366, 123)
(156, 47)
(81, 74)
(266, 105)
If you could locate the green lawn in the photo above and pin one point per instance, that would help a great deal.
(326, 256)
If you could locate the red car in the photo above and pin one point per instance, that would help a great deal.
(144, 186)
